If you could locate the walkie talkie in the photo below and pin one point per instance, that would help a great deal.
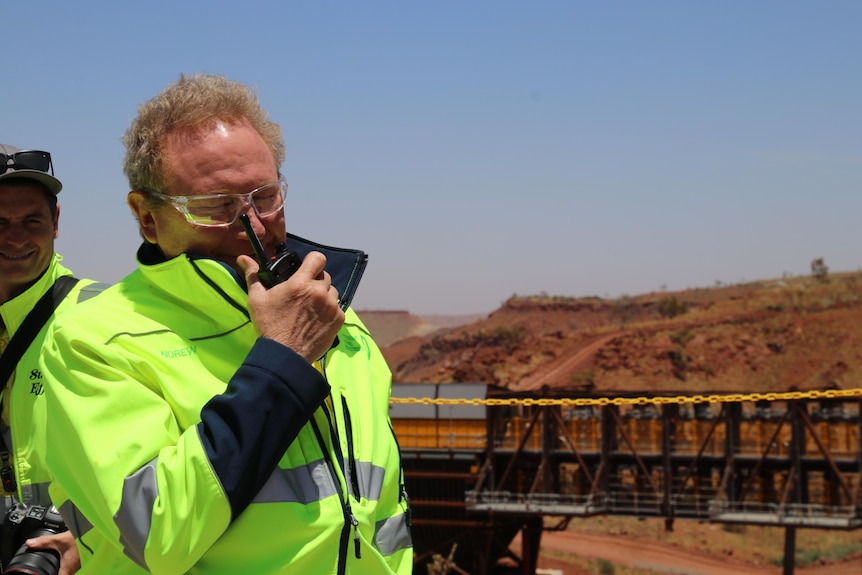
(275, 270)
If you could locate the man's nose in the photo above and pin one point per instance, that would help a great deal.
(253, 218)
(16, 235)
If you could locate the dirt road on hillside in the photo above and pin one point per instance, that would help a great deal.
(559, 370)
(664, 558)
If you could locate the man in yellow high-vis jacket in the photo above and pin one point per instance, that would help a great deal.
(31, 277)
(201, 422)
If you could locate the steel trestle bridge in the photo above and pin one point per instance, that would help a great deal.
(484, 464)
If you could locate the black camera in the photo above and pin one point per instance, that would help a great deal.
(23, 522)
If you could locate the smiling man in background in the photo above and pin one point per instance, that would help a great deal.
(34, 287)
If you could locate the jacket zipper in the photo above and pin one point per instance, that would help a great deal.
(354, 480)
(349, 516)
(351, 458)
(349, 519)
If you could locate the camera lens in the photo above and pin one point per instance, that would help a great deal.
(34, 561)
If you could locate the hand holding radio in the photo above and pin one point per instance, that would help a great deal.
(303, 313)
(275, 270)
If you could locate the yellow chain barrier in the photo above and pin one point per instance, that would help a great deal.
(659, 400)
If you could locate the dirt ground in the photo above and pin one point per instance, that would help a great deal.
(661, 557)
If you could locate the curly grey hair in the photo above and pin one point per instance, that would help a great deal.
(188, 102)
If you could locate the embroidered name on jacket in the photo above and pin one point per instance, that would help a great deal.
(181, 352)
(36, 382)
(352, 345)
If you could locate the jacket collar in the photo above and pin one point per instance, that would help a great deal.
(16, 309)
(346, 266)
(180, 278)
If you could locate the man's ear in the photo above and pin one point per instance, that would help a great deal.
(57, 222)
(139, 205)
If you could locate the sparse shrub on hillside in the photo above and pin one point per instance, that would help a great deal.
(544, 298)
(507, 337)
(678, 358)
(440, 345)
(853, 283)
(510, 336)
(827, 303)
(819, 270)
(796, 298)
(585, 378)
(680, 361)
(625, 309)
(670, 307)
(681, 337)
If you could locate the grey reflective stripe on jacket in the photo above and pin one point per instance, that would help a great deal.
(304, 484)
(370, 478)
(91, 290)
(75, 520)
(134, 516)
(314, 482)
(392, 534)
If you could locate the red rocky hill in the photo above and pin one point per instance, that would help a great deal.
(778, 335)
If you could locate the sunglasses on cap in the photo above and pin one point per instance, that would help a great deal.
(27, 160)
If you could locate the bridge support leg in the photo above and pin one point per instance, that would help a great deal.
(789, 549)
(531, 538)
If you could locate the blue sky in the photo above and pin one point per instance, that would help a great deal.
(478, 150)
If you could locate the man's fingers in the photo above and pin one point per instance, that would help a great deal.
(249, 267)
(313, 265)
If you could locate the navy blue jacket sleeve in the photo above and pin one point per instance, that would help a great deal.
(246, 430)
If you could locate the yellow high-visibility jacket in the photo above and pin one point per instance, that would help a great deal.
(182, 442)
(23, 397)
